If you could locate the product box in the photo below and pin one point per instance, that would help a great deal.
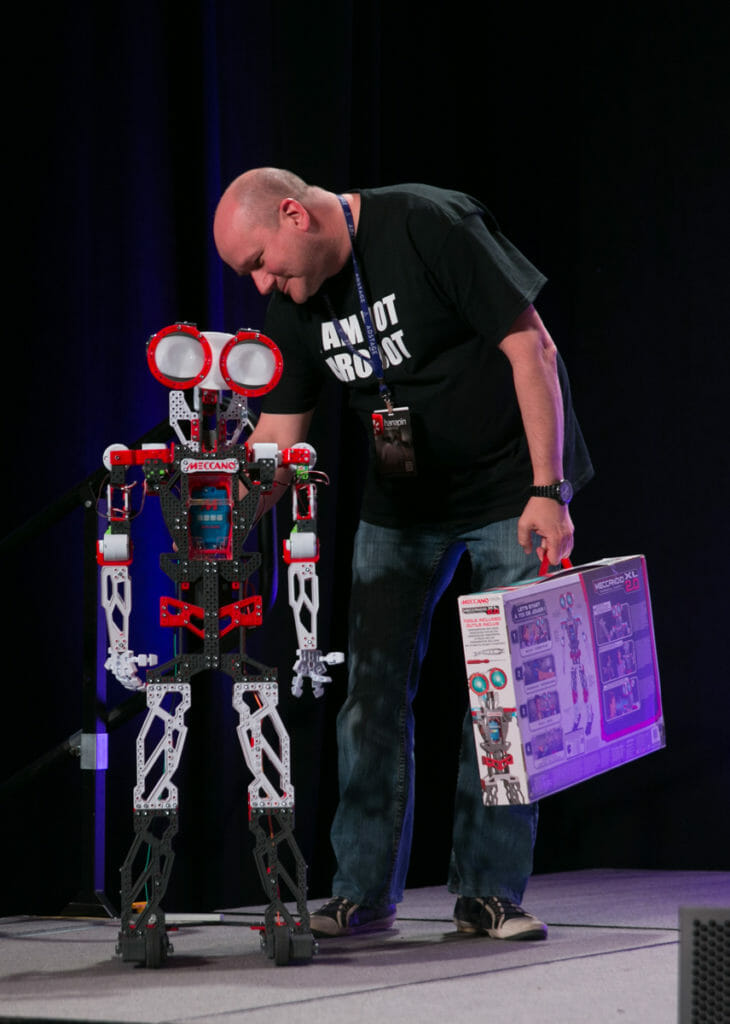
(563, 678)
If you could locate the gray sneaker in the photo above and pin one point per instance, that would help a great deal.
(343, 917)
(496, 917)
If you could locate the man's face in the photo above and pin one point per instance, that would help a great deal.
(282, 257)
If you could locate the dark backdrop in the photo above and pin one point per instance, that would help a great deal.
(601, 147)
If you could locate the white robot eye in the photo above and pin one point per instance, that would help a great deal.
(251, 364)
(179, 356)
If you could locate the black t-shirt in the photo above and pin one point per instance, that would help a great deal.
(444, 286)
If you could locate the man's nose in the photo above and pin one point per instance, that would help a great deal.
(264, 281)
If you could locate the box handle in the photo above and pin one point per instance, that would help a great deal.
(545, 565)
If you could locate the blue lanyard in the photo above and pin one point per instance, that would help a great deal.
(374, 359)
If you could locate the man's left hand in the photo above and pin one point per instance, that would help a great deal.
(552, 523)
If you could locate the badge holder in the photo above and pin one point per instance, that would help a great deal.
(394, 454)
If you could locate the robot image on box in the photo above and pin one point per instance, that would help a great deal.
(571, 627)
(209, 484)
(492, 722)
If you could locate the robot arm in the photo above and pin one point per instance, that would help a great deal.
(114, 555)
(301, 553)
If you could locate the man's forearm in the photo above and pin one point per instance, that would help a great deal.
(541, 407)
(285, 431)
(533, 357)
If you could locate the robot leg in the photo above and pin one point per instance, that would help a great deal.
(281, 867)
(147, 867)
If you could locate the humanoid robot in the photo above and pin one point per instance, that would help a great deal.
(209, 484)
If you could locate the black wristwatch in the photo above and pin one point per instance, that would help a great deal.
(562, 491)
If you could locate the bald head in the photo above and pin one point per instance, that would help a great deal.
(257, 194)
(287, 235)
(251, 202)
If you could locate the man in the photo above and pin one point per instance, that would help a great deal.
(412, 297)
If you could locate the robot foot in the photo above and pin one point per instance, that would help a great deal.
(150, 948)
(284, 945)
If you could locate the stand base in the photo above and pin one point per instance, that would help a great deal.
(96, 904)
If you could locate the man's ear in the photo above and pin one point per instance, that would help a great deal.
(293, 214)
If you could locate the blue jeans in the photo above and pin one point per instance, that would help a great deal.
(398, 578)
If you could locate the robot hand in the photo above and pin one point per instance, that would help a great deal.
(313, 664)
(123, 666)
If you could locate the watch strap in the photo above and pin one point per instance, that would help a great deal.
(561, 491)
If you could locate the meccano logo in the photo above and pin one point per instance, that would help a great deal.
(627, 581)
(209, 465)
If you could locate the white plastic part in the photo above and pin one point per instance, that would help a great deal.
(106, 457)
(115, 547)
(158, 759)
(213, 380)
(267, 754)
(178, 355)
(180, 412)
(303, 545)
(251, 364)
(123, 666)
(266, 450)
(116, 600)
(313, 665)
(237, 412)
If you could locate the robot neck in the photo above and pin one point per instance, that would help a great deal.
(212, 424)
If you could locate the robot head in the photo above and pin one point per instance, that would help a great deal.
(247, 363)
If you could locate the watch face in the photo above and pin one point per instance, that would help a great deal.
(566, 491)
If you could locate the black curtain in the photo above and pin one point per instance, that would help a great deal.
(599, 146)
